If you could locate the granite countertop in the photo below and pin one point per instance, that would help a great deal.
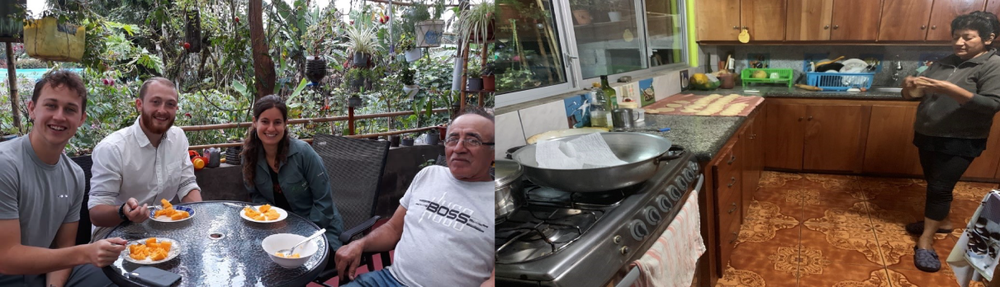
(786, 92)
(702, 135)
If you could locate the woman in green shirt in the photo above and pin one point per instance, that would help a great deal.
(286, 172)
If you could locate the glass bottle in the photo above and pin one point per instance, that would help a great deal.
(609, 94)
(599, 115)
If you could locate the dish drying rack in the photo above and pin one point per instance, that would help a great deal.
(836, 81)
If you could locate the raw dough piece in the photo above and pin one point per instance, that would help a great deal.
(733, 110)
(674, 105)
(682, 102)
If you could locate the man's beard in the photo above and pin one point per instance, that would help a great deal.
(147, 122)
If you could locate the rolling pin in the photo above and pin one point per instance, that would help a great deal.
(808, 87)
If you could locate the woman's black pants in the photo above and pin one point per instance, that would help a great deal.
(942, 171)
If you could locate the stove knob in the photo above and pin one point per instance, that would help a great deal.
(624, 250)
(638, 229)
(651, 215)
(674, 192)
(664, 203)
(681, 182)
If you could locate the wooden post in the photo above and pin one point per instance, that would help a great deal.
(465, 65)
(12, 78)
(350, 120)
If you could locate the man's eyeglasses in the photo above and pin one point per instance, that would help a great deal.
(470, 142)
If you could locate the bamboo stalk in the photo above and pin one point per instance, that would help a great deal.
(552, 41)
(12, 78)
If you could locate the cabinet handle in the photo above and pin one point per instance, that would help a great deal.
(745, 27)
(732, 158)
(835, 27)
(736, 235)
(922, 27)
(732, 208)
(933, 27)
(736, 27)
(800, 119)
(732, 182)
(810, 118)
(826, 27)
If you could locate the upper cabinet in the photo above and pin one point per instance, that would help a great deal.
(919, 20)
(718, 20)
(944, 12)
(904, 20)
(855, 20)
(993, 6)
(838, 20)
(722, 20)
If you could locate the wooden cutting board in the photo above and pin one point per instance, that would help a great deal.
(701, 105)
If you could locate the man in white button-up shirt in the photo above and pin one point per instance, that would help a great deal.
(137, 166)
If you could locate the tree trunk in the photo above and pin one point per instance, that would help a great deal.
(263, 66)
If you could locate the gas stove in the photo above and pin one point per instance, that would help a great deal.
(564, 238)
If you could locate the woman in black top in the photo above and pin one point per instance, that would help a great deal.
(958, 97)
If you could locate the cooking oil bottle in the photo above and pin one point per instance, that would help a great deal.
(599, 115)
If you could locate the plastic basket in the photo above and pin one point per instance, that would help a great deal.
(840, 81)
(785, 76)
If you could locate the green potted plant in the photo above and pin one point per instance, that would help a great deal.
(429, 31)
(362, 43)
(409, 48)
(489, 79)
(477, 22)
(474, 82)
(315, 68)
(409, 87)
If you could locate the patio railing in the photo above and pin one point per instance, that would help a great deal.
(350, 119)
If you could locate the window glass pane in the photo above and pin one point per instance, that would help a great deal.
(663, 19)
(527, 54)
(607, 37)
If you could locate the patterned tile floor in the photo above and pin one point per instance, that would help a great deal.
(840, 230)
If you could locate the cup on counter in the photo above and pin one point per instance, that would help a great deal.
(638, 113)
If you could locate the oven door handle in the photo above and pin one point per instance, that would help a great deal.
(629, 278)
(701, 181)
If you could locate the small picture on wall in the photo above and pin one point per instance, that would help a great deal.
(684, 80)
(646, 92)
(758, 60)
(578, 111)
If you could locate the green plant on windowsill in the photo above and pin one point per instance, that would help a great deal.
(515, 80)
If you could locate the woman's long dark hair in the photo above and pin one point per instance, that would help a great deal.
(252, 144)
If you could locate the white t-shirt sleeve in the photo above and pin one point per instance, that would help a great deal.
(8, 188)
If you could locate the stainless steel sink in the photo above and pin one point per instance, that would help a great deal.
(886, 89)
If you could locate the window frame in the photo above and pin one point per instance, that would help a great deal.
(571, 61)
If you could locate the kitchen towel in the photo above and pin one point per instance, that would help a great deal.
(673, 259)
(586, 151)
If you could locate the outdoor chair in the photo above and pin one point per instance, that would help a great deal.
(355, 169)
(83, 227)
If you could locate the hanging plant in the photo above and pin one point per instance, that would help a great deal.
(477, 23)
(192, 37)
(315, 68)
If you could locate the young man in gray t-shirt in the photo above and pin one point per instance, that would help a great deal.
(41, 193)
(442, 231)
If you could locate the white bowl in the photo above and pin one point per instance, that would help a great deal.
(280, 241)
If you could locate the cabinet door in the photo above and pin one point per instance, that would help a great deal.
(890, 149)
(718, 20)
(992, 6)
(944, 12)
(784, 135)
(904, 20)
(809, 20)
(834, 137)
(855, 20)
(765, 19)
(985, 166)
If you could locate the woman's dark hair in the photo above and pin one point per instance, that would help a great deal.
(983, 22)
(252, 144)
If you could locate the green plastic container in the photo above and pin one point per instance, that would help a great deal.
(785, 76)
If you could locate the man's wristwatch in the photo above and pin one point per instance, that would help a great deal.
(121, 213)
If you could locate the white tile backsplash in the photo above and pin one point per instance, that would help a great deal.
(543, 118)
(667, 84)
(508, 133)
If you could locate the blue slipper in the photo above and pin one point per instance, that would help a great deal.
(926, 260)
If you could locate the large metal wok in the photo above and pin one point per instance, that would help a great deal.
(641, 152)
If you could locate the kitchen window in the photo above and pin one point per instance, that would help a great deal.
(566, 45)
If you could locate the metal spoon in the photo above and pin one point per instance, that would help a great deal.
(288, 251)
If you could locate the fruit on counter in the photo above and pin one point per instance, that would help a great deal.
(702, 81)
(758, 74)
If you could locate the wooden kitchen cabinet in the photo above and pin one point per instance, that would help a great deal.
(946, 10)
(816, 136)
(889, 149)
(904, 20)
(985, 166)
(993, 6)
(718, 20)
(839, 20)
(722, 20)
